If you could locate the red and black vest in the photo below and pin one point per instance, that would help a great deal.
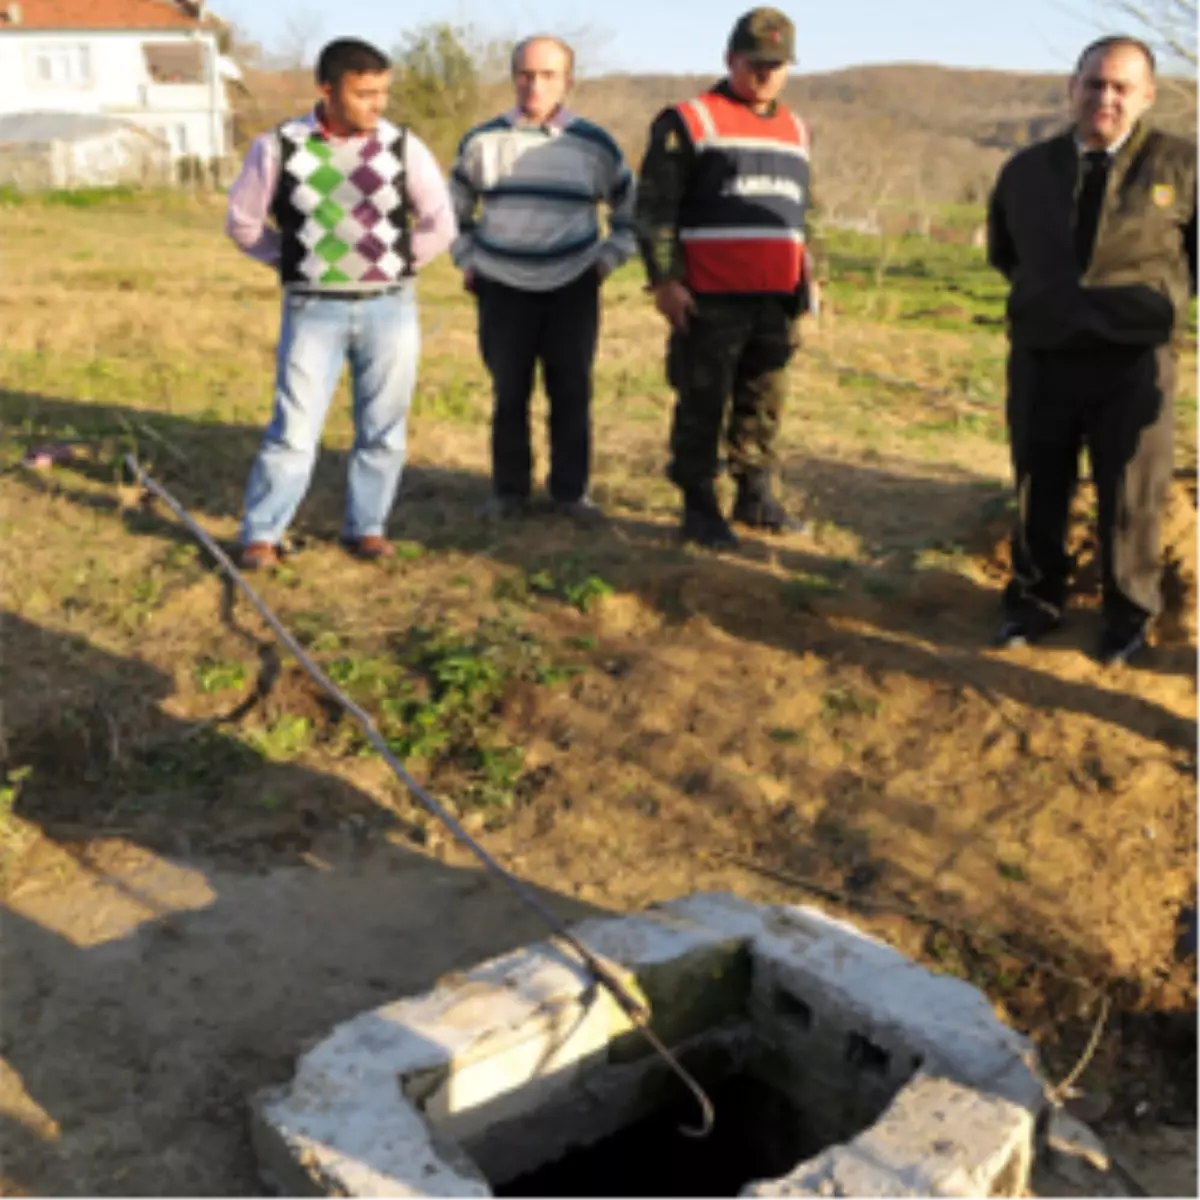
(741, 223)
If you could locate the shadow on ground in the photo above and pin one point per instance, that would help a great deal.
(156, 973)
(203, 981)
(950, 614)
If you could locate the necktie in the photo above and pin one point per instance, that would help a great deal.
(1096, 164)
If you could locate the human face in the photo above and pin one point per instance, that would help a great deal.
(541, 78)
(1109, 94)
(757, 83)
(357, 102)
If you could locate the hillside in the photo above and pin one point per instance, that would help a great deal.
(905, 134)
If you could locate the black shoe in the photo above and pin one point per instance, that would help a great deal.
(1120, 643)
(703, 523)
(757, 507)
(583, 511)
(503, 508)
(1026, 626)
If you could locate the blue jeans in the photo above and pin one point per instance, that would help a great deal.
(381, 339)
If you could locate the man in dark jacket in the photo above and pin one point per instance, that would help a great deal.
(1095, 230)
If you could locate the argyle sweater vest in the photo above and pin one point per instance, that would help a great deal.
(342, 209)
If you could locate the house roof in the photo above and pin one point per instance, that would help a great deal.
(101, 14)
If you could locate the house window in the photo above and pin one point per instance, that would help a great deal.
(174, 62)
(62, 64)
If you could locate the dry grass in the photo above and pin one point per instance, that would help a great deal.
(632, 712)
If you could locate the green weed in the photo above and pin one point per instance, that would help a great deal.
(573, 585)
(284, 739)
(317, 631)
(583, 595)
(217, 675)
(437, 700)
(14, 777)
(787, 737)
(804, 587)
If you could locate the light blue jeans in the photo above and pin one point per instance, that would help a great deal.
(380, 337)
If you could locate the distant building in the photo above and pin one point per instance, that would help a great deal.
(69, 150)
(151, 63)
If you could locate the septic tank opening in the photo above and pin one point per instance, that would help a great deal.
(759, 1134)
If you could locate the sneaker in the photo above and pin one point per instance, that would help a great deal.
(585, 511)
(1120, 643)
(756, 507)
(258, 556)
(372, 547)
(1026, 627)
(503, 508)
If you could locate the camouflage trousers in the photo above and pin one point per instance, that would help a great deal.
(729, 369)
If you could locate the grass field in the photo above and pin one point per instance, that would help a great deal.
(622, 720)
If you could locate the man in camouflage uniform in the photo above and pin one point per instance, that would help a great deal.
(1095, 229)
(722, 204)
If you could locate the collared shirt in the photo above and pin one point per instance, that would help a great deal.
(1112, 150)
(557, 121)
(249, 203)
(527, 197)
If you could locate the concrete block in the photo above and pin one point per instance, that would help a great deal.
(847, 983)
(350, 1122)
(515, 1061)
(937, 1138)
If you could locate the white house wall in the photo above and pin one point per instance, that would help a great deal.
(193, 118)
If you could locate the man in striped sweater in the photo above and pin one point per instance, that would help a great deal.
(527, 187)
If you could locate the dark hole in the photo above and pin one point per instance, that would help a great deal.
(758, 1134)
(868, 1057)
(794, 1008)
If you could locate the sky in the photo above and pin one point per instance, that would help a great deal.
(673, 36)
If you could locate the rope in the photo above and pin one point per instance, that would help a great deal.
(633, 1007)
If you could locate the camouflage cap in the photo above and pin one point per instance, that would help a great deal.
(764, 35)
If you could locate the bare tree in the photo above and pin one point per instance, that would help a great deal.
(1169, 24)
(298, 42)
(1169, 27)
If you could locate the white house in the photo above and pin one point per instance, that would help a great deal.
(150, 62)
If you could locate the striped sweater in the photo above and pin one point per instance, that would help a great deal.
(527, 200)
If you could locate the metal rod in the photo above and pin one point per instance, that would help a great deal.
(630, 1005)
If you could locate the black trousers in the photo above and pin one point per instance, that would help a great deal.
(1117, 401)
(558, 329)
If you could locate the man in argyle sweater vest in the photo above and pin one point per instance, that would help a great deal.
(358, 206)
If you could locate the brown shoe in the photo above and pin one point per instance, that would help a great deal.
(371, 547)
(256, 556)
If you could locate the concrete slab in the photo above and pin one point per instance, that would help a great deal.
(511, 1063)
